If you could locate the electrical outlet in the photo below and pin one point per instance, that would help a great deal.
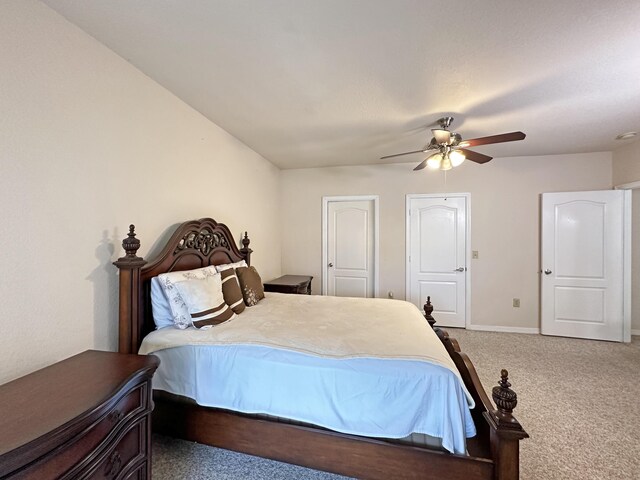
(516, 303)
(474, 254)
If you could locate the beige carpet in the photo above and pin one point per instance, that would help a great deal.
(578, 399)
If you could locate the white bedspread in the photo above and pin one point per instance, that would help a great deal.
(368, 367)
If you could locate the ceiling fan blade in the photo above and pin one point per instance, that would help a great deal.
(405, 153)
(475, 156)
(503, 137)
(441, 135)
(421, 165)
(425, 162)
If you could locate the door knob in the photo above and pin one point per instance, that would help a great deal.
(330, 264)
(547, 272)
(459, 269)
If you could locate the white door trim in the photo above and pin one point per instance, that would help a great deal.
(467, 253)
(627, 266)
(627, 256)
(376, 235)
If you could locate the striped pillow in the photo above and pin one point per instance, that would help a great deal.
(205, 301)
(231, 290)
(178, 307)
(227, 266)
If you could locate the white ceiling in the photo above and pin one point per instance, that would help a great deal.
(344, 82)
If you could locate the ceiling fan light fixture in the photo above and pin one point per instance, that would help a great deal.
(446, 164)
(456, 158)
(434, 161)
(442, 136)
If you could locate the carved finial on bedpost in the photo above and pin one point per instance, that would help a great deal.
(504, 398)
(428, 310)
(505, 431)
(131, 244)
(130, 298)
(245, 250)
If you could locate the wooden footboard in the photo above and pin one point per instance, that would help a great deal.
(493, 453)
(497, 428)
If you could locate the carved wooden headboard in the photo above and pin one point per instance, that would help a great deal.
(195, 244)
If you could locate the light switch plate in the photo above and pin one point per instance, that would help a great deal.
(516, 303)
(474, 254)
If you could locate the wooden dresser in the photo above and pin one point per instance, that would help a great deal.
(85, 417)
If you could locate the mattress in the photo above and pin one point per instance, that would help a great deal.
(281, 358)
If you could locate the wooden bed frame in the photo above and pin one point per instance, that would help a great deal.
(493, 452)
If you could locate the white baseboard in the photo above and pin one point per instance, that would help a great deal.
(500, 328)
(635, 332)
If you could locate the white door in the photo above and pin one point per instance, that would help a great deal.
(583, 264)
(437, 255)
(350, 247)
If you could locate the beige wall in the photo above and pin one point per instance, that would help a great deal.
(88, 144)
(504, 221)
(626, 169)
(626, 164)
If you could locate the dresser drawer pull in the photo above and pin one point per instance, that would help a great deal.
(112, 467)
(115, 416)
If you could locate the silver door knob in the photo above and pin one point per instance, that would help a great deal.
(547, 272)
(459, 269)
(330, 264)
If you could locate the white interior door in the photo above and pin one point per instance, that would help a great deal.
(350, 247)
(583, 265)
(437, 255)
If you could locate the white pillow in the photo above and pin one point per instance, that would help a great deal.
(205, 301)
(179, 311)
(227, 266)
(162, 315)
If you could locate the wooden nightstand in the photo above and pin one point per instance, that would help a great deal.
(300, 284)
(86, 417)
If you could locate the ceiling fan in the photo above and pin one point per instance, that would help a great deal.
(450, 150)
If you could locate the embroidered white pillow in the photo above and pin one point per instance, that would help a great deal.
(162, 315)
(227, 266)
(205, 301)
(179, 311)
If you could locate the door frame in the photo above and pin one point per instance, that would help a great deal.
(628, 257)
(376, 236)
(467, 250)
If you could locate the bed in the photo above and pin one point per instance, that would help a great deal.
(493, 453)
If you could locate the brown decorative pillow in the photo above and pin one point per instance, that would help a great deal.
(231, 290)
(251, 285)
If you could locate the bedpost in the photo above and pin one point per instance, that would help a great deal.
(506, 431)
(130, 298)
(245, 250)
(428, 310)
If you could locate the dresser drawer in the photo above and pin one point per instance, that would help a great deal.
(139, 473)
(123, 459)
(75, 456)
